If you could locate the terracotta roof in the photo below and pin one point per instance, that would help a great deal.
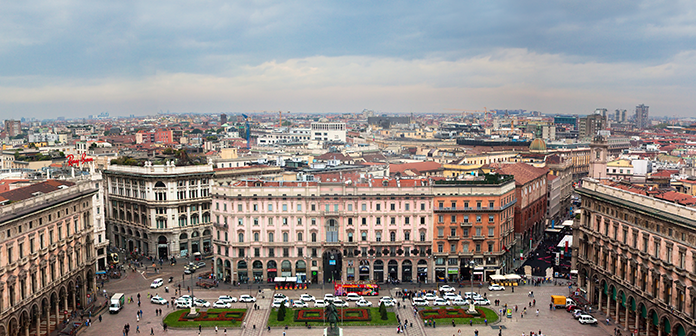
(664, 173)
(523, 172)
(27, 192)
(416, 167)
(334, 156)
(551, 177)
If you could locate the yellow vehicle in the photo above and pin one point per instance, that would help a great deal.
(561, 301)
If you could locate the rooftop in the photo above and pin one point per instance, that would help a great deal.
(482, 179)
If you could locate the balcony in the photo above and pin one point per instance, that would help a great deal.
(332, 244)
(473, 209)
(479, 237)
(465, 224)
(453, 238)
(220, 242)
(391, 243)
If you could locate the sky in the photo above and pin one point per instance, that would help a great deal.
(74, 58)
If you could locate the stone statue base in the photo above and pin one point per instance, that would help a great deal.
(193, 313)
(335, 331)
(472, 310)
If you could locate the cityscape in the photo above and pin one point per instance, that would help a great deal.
(347, 169)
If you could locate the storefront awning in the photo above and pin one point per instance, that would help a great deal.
(512, 277)
(497, 277)
(566, 238)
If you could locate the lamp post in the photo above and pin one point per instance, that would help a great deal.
(471, 299)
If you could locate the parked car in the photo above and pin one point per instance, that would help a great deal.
(340, 303)
(183, 304)
(299, 304)
(222, 304)
(246, 298)
(430, 297)
(227, 299)
(578, 312)
(319, 304)
(307, 298)
(353, 297)
(571, 308)
(158, 300)
(419, 302)
(460, 302)
(328, 297)
(447, 288)
(451, 296)
(388, 302)
(201, 303)
(363, 303)
(200, 264)
(278, 302)
(496, 288)
(587, 319)
(482, 302)
(279, 296)
(441, 302)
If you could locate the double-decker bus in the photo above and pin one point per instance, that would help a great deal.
(364, 289)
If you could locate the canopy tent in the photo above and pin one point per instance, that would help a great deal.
(566, 238)
(567, 223)
(497, 277)
(512, 277)
(554, 230)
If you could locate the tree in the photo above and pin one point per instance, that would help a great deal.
(281, 312)
(168, 151)
(196, 131)
(383, 311)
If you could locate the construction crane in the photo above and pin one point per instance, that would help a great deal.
(280, 118)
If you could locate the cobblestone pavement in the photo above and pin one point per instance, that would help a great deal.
(557, 322)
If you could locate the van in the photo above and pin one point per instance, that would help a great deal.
(117, 302)
(157, 283)
(587, 319)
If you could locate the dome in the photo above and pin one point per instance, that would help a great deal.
(537, 145)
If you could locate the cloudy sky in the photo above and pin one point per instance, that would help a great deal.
(74, 58)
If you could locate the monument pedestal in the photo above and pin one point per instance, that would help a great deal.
(193, 313)
(335, 331)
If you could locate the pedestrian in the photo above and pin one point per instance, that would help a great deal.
(476, 332)
(152, 331)
(537, 312)
(534, 303)
(188, 289)
(199, 328)
(137, 329)
(100, 318)
(459, 332)
(453, 325)
(471, 323)
(216, 329)
(225, 331)
(137, 317)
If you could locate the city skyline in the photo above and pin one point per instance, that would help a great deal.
(77, 58)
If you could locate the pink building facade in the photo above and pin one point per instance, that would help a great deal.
(323, 231)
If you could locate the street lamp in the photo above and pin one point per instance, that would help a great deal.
(471, 299)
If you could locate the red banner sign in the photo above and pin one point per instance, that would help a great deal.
(77, 162)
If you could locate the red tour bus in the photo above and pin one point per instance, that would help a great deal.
(342, 289)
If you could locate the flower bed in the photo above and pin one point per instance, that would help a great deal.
(346, 315)
(215, 316)
(442, 313)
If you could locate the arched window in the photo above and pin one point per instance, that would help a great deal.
(160, 184)
(392, 236)
(299, 236)
(285, 237)
(241, 237)
(256, 236)
(183, 236)
(270, 237)
(314, 237)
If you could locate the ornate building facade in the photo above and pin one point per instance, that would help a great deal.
(323, 231)
(159, 210)
(47, 259)
(636, 258)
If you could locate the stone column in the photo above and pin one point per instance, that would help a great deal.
(599, 303)
(647, 325)
(26, 328)
(637, 319)
(38, 324)
(72, 299)
(65, 300)
(626, 322)
(57, 318)
(618, 312)
(608, 304)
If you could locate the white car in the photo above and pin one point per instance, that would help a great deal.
(441, 302)
(387, 301)
(222, 304)
(482, 302)
(157, 283)
(319, 304)
(363, 303)
(158, 300)
(587, 319)
(227, 299)
(328, 297)
(277, 303)
(201, 303)
(246, 298)
(183, 304)
(185, 297)
(451, 296)
(278, 296)
(306, 298)
(430, 297)
(419, 302)
(460, 302)
(386, 298)
(447, 288)
(299, 304)
(340, 303)
(496, 288)
(353, 297)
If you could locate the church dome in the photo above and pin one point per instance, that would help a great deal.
(538, 145)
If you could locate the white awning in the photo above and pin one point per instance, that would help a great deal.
(291, 279)
(555, 230)
(566, 238)
(568, 223)
(497, 277)
(279, 279)
(512, 277)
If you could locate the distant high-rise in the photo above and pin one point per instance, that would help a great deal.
(13, 127)
(642, 116)
(588, 126)
(223, 119)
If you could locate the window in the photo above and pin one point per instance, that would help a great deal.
(270, 221)
(270, 207)
(378, 207)
(422, 236)
(407, 206)
(466, 219)
(378, 236)
(299, 222)
(490, 219)
(490, 247)
(364, 207)
(300, 252)
(241, 237)
(392, 207)
(299, 236)
(271, 252)
(669, 255)
(257, 252)
(407, 221)
(350, 207)
(350, 237)
(407, 235)
(491, 232)
(440, 219)
(378, 221)
(645, 245)
(453, 247)
(350, 221)
(440, 232)
(285, 237)
(392, 220)
(286, 252)
(363, 235)
(270, 237)
(314, 207)
(439, 248)
(256, 207)
(478, 218)
(314, 237)
(453, 219)
(491, 204)
(453, 232)
(285, 207)
(256, 236)
(239, 207)
(299, 207)
(478, 231)
(478, 247)
(657, 250)
(422, 206)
